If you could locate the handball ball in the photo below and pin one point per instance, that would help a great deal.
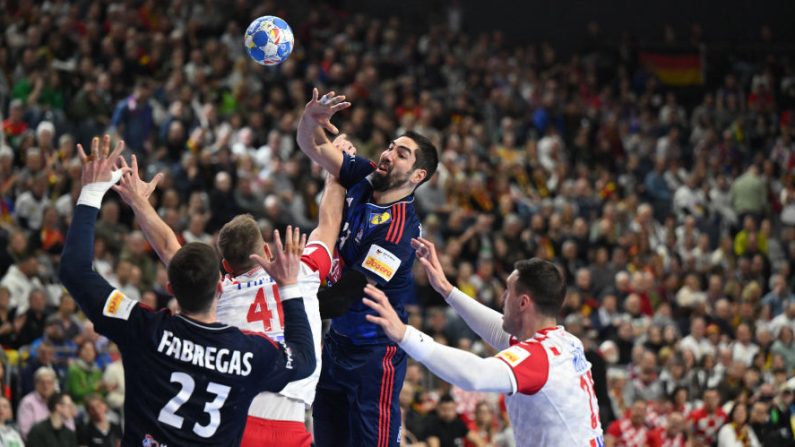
(269, 40)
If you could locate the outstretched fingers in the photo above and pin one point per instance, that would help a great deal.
(267, 250)
(94, 149)
(82, 154)
(156, 180)
(330, 127)
(134, 165)
(277, 243)
(116, 154)
(341, 106)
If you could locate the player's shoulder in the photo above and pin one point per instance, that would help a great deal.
(396, 223)
(121, 307)
(520, 352)
(255, 336)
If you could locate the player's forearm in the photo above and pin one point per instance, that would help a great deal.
(486, 322)
(160, 236)
(314, 143)
(75, 272)
(298, 333)
(460, 368)
(330, 217)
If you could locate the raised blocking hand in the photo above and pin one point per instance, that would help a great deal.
(284, 265)
(132, 187)
(100, 165)
(321, 109)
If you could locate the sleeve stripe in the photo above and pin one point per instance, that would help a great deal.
(402, 223)
(398, 221)
(392, 224)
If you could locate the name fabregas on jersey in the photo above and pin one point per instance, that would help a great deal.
(222, 360)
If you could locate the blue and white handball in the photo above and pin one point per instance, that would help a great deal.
(269, 40)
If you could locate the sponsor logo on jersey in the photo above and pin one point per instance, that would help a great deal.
(382, 262)
(579, 362)
(118, 306)
(380, 218)
(514, 355)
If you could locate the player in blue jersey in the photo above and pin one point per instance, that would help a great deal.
(189, 379)
(363, 371)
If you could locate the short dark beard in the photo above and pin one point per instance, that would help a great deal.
(386, 182)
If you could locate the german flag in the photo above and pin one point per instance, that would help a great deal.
(675, 69)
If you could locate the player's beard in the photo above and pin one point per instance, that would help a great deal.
(388, 181)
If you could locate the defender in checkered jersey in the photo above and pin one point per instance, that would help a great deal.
(250, 298)
(542, 368)
(363, 371)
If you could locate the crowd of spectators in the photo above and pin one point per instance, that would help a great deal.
(672, 219)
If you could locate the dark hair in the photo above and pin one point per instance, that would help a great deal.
(736, 405)
(446, 398)
(237, 240)
(91, 397)
(427, 157)
(193, 273)
(54, 400)
(544, 283)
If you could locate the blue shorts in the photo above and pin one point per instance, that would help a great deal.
(357, 397)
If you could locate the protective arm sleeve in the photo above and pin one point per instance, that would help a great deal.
(461, 368)
(486, 322)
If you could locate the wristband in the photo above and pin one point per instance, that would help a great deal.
(92, 193)
(291, 292)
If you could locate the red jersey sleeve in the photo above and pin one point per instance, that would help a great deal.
(614, 429)
(317, 257)
(656, 437)
(530, 365)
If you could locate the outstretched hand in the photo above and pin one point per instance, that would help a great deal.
(426, 254)
(284, 265)
(321, 109)
(387, 318)
(132, 187)
(99, 165)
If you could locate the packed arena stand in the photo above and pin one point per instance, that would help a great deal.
(669, 203)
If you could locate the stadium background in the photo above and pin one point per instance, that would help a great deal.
(554, 133)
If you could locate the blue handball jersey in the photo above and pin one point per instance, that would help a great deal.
(187, 383)
(375, 240)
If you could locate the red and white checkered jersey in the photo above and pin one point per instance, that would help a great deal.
(628, 435)
(706, 426)
(251, 302)
(553, 400)
(659, 437)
